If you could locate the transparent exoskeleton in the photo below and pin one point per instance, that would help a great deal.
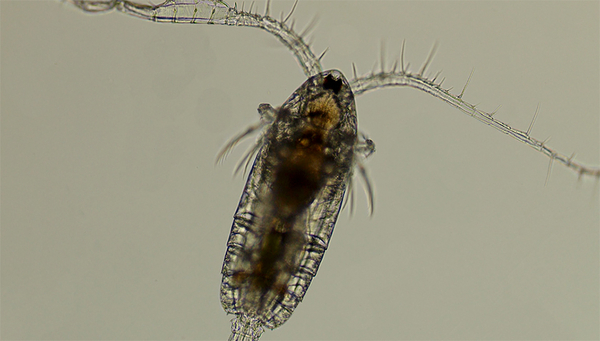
(290, 203)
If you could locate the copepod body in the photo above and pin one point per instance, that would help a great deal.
(290, 204)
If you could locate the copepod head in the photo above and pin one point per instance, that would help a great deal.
(325, 101)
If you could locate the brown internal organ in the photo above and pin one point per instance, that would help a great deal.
(264, 272)
(299, 176)
(323, 112)
(276, 261)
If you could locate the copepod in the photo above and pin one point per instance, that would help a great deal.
(290, 203)
(304, 162)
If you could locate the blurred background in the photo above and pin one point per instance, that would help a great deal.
(115, 216)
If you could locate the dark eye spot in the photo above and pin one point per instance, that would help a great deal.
(332, 83)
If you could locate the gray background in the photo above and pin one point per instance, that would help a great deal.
(115, 217)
